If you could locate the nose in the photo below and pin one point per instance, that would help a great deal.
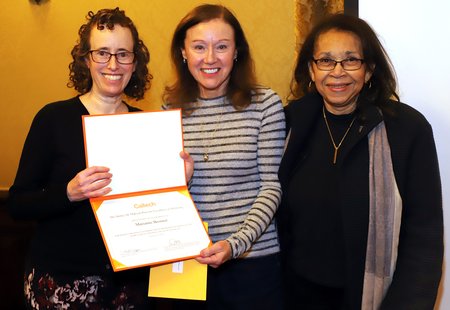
(338, 69)
(112, 63)
(210, 55)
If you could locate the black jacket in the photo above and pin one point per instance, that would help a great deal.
(419, 265)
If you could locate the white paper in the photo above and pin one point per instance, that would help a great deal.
(142, 149)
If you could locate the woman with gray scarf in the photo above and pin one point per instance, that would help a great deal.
(360, 222)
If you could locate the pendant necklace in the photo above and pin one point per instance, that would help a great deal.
(336, 147)
(211, 138)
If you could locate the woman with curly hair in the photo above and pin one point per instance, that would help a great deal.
(68, 265)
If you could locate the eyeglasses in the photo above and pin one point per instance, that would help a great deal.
(348, 64)
(102, 57)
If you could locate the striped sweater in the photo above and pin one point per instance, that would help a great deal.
(236, 190)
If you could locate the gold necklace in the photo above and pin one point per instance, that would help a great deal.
(211, 138)
(336, 148)
(206, 147)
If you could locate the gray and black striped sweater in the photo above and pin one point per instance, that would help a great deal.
(237, 189)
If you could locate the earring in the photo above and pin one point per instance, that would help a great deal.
(235, 59)
(184, 60)
(370, 84)
(310, 83)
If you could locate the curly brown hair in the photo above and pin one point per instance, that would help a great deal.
(80, 77)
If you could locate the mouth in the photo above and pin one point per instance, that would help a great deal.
(210, 70)
(338, 87)
(112, 77)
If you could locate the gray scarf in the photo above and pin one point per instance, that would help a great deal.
(385, 211)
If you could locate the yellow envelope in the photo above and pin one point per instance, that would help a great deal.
(180, 280)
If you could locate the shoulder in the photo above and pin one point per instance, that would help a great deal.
(309, 103)
(264, 99)
(60, 108)
(62, 105)
(308, 100)
(132, 108)
(262, 94)
(410, 136)
(55, 116)
(405, 118)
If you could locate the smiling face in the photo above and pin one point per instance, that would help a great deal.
(338, 87)
(210, 50)
(111, 78)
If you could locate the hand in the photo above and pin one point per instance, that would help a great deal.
(189, 163)
(216, 254)
(89, 183)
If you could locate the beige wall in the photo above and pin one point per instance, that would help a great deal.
(36, 41)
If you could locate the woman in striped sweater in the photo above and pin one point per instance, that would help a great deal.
(234, 131)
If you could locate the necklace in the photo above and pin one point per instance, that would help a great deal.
(211, 138)
(336, 148)
(206, 148)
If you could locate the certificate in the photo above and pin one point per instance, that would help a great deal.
(149, 216)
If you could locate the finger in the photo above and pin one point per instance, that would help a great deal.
(99, 184)
(87, 180)
(188, 163)
(98, 193)
(90, 189)
(92, 174)
(184, 154)
(202, 260)
(95, 169)
(92, 170)
(212, 250)
(186, 157)
(206, 252)
(207, 260)
(97, 177)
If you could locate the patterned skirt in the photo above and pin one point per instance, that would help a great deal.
(47, 291)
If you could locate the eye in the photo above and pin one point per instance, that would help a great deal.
(352, 60)
(222, 47)
(122, 54)
(102, 53)
(325, 61)
(199, 47)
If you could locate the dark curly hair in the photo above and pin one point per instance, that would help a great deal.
(80, 77)
(381, 86)
(185, 90)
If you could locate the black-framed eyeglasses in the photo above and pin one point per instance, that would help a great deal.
(348, 64)
(102, 57)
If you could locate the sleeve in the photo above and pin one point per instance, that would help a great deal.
(34, 196)
(420, 252)
(270, 149)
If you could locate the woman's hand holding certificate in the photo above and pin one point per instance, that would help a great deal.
(148, 217)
